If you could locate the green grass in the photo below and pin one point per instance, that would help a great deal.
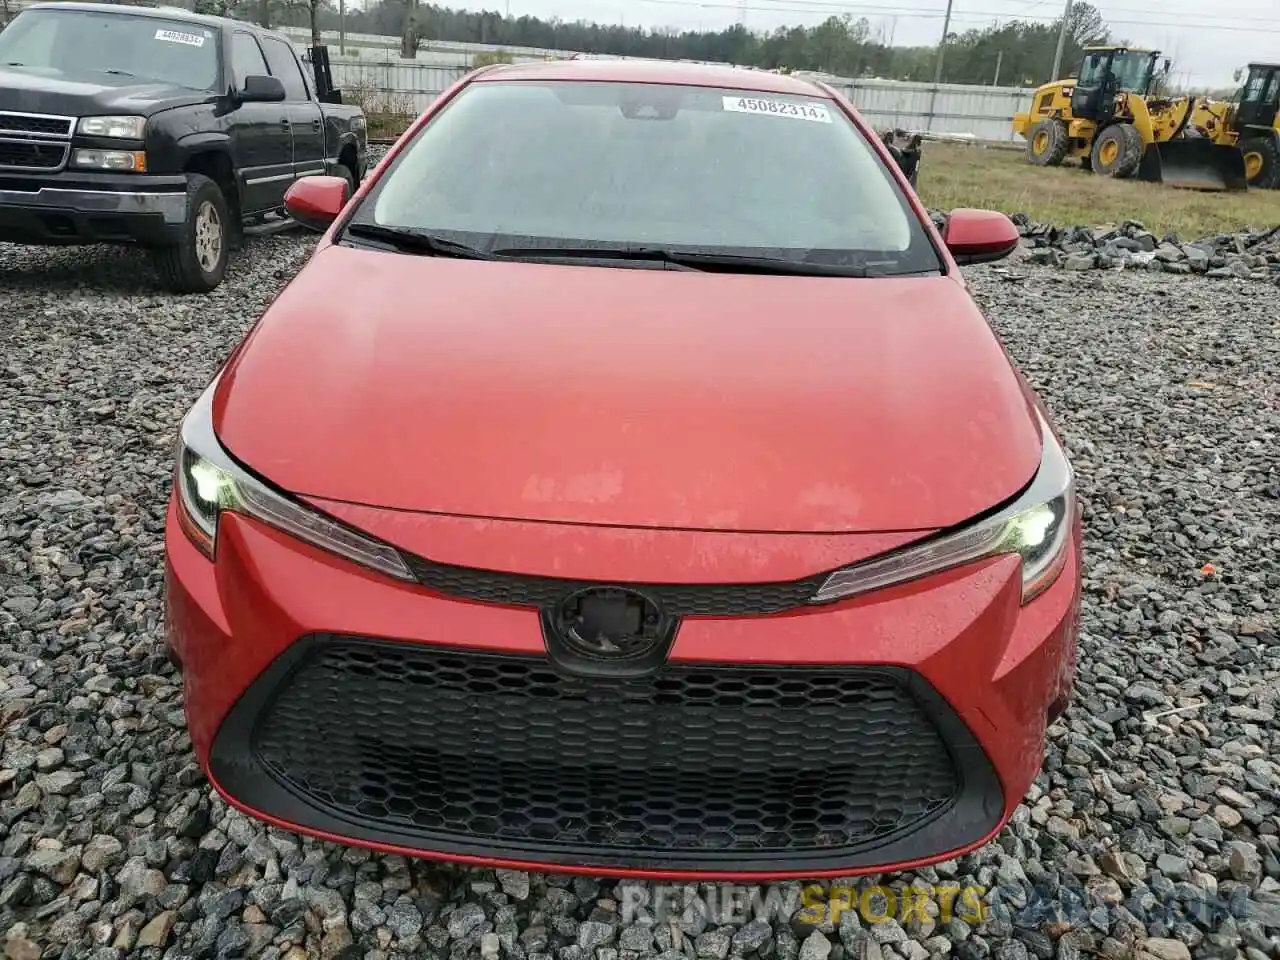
(954, 175)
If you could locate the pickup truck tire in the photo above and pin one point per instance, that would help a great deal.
(347, 174)
(198, 262)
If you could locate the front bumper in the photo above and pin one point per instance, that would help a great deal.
(69, 209)
(881, 733)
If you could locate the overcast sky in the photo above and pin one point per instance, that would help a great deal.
(1206, 45)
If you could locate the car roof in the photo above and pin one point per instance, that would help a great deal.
(654, 71)
(168, 12)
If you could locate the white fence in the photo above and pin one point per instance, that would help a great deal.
(402, 85)
(982, 112)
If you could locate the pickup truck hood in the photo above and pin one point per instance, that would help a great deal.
(634, 398)
(39, 91)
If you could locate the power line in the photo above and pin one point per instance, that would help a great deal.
(817, 6)
(814, 7)
(939, 12)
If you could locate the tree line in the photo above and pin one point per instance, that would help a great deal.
(1015, 53)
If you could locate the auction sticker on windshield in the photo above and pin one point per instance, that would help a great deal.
(175, 36)
(815, 112)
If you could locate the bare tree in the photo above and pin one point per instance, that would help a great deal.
(411, 35)
(313, 11)
(216, 8)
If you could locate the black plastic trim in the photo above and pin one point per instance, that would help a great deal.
(976, 812)
(676, 599)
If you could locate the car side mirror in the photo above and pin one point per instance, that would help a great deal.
(261, 89)
(316, 201)
(979, 236)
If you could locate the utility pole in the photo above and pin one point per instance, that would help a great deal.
(999, 61)
(342, 28)
(937, 72)
(942, 45)
(1062, 42)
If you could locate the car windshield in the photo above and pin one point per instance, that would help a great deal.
(86, 45)
(619, 165)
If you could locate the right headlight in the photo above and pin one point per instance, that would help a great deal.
(1036, 527)
(117, 128)
(210, 484)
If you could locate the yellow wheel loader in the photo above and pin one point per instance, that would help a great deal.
(1108, 118)
(1252, 124)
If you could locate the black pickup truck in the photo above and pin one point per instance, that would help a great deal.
(160, 127)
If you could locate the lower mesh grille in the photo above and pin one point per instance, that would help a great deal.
(30, 155)
(433, 745)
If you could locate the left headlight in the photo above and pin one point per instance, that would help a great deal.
(209, 484)
(1037, 528)
(119, 128)
(133, 161)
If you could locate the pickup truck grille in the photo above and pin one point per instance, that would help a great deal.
(33, 141)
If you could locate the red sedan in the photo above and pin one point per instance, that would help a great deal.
(628, 484)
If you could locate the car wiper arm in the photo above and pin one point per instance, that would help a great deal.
(649, 254)
(418, 241)
(691, 259)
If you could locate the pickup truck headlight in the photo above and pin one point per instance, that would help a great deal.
(119, 128)
(1036, 527)
(134, 161)
(210, 483)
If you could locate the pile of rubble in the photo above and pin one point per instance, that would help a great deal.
(1131, 246)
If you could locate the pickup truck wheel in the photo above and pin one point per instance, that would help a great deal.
(197, 262)
(346, 173)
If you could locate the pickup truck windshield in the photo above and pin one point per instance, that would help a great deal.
(576, 166)
(111, 49)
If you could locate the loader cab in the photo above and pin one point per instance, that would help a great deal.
(1108, 71)
(1260, 98)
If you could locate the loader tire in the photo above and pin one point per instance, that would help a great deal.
(1261, 162)
(1048, 143)
(1117, 151)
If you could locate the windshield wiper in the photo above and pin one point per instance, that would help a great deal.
(417, 241)
(647, 254)
(692, 260)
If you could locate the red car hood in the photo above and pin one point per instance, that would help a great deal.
(629, 397)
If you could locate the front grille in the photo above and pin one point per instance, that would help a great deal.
(36, 124)
(677, 600)
(32, 155)
(479, 753)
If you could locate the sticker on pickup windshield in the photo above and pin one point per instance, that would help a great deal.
(815, 112)
(175, 36)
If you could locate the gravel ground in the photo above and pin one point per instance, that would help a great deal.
(1153, 831)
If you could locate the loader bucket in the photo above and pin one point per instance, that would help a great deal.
(1194, 164)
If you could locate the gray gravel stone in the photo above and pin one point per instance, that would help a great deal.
(1164, 388)
(816, 946)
